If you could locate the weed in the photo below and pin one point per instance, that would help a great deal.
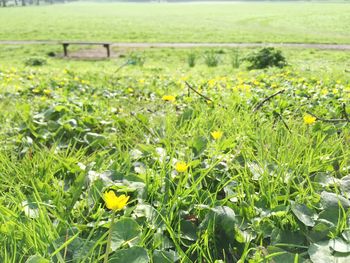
(191, 59)
(266, 57)
(211, 59)
(35, 61)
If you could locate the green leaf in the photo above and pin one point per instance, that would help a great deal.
(303, 213)
(95, 139)
(282, 256)
(345, 185)
(185, 117)
(130, 255)
(124, 231)
(199, 144)
(188, 230)
(279, 236)
(37, 259)
(320, 253)
(339, 245)
(162, 256)
(333, 200)
(346, 235)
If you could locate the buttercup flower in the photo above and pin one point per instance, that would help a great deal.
(114, 202)
(216, 135)
(308, 119)
(181, 167)
(168, 98)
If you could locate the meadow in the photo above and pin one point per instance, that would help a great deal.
(209, 163)
(206, 22)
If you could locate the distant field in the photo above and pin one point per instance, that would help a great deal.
(229, 22)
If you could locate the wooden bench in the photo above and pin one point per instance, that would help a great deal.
(66, 44)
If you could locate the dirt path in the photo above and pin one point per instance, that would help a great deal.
(191, 45)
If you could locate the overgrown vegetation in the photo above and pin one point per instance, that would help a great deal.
(35, 61)
(266, 177)
(191, 59)
(211, 58)
(266, 57)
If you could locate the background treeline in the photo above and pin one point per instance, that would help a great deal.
(8, 3)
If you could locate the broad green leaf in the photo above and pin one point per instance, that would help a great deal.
(163, 256)
(188, 230)
(282, 256)
(321, 253)
(303, 213)
(37, 259)
(199, 144)
(287, 237)
(256, 170)
(339, 245)
(186, 116)
(346, 235)
(333, 200)
(130, 255)
(345, 185)
(30, 209)
(125, 230)
(325, 179)
(94, 138)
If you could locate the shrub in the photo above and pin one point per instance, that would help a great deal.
(191, 60)
(211, 59)
(235, 61)
(266, 57)
(136, 59)
(35, 61)
(51, 54)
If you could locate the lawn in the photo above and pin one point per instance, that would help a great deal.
(220, 22)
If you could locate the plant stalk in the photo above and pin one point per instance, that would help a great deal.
(109, 239)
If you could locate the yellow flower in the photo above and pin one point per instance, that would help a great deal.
(47, 91)
(114, 202)
(216, 135)
(168, 98)
(181, 167)
(308, 119)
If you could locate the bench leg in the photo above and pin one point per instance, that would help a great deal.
(65, 50)
(108, 50)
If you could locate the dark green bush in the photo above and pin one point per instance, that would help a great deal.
(34, 61)
(136, 59)
(235, 60)
(191, 60)
(211, 59)
(51, 54)
(266, 57)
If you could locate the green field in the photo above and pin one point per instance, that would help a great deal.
(221, 164)
(219, 22)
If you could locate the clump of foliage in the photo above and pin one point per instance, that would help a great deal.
(136, 59)
(266, 57)
(96, 166)
(35, 61)
(235, 60)
(211, 59)
(51, 54)
(191, 60)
